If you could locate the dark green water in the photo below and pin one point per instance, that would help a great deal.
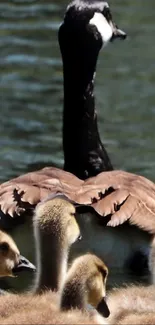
(31, 88)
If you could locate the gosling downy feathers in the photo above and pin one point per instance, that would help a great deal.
(130, 302)
(85, 283)
(138, 319)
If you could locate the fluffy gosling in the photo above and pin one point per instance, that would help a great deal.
(11, 262)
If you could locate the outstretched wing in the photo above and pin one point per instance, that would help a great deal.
(119, 195)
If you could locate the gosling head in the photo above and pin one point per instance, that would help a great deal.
(56, 216)
(96, 284)
(88, 25)
(86, 284)
(11, 262)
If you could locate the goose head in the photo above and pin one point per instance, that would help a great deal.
(89, 23)
(11, 262)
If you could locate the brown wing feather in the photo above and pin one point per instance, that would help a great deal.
(109, 205)
(119, 195)
(144, 218)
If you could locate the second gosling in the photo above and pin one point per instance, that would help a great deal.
(86, 284)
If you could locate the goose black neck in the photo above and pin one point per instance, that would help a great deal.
(84, 153)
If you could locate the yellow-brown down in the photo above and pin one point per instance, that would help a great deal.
(87, 270)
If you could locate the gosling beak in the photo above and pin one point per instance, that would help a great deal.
(102, 308)
(117, 33)
(24, 264)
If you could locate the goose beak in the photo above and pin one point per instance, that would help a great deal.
(24, 264)
(117, 33)
(102, 308)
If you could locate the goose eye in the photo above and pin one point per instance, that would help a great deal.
(107, 13)
(4, 247)
(73, 214)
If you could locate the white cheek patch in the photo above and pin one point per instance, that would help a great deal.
(103, 26)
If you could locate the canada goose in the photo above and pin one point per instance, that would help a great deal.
(119, 197)
(55, 230)
(87, 27)
(85, 283)
(11, 262)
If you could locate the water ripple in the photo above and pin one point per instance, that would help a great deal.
(31, 87)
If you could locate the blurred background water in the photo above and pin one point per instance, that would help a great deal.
(31, 87)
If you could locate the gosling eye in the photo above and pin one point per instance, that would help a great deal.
(80, 237)
(4, 247)
(73, 214)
